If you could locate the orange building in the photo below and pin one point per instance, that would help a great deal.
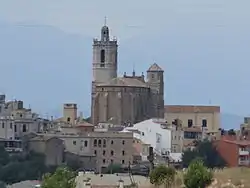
(235, 152)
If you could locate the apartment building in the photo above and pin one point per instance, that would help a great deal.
(234, 151)
(207, 117)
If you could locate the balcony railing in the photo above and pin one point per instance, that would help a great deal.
(244, 162)
(243, 152)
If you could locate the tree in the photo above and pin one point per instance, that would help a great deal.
(22, 167)
(61, 178)
(162, 175)
(114, 168)
(197, 175)
(4, 156)
(206, 151)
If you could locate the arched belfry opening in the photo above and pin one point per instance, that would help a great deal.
(105, 33)
(102, 56)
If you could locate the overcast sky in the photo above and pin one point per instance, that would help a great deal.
(85, 16)
(226, 21)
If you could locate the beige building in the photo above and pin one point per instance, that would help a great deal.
(127, 99)
(17, 121)
(177, 141)
(51, 147)
(107, 147)
(100, 149)
(207, 117)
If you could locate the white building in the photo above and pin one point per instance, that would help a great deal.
(154, 132)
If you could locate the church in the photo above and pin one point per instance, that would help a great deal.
(123, 100)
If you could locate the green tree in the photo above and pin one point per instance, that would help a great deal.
(4, 156)
(206, 151)
(162, 175)
(197, 175)
(61, 178)
(114, 168)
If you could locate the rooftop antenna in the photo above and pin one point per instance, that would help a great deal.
(105, 21)
(133, 69)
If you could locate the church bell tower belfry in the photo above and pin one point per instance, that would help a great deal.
(104, 57)
(104, 65)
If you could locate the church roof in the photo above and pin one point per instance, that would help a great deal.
(121, 81)
(155, 67)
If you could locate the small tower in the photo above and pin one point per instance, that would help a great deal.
(155, 78)
(70, 113)
(104, 57)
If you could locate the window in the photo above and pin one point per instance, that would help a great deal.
(95, 152)
(152, 76)
(74, 142)
(85, 143)
(204, 123)
(3, 125)
(95, 142)
(10, 125)
(24, 128)
(99, 143)
(102, 56)
(123, 161)
(190, 123)
(112, 153)
(103, 161)
(21, 115)
(104, 143)
(15, 128)
(123, 152)
(112, 142)
(68, 119)
(123, 142)
(112, 161)
(103, 152)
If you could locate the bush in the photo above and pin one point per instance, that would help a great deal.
(197, 175)
(162, 175)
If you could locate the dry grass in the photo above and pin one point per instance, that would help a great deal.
(235, 176)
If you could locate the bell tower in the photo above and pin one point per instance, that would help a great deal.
(104, 57)
(104, 65)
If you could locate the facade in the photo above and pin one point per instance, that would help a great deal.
(17, 121)
(207, 117)
(177, 140)
(103, 147)
(155, 133)
(141, 150)
(127, 99)
(51, 147)
(235, 152)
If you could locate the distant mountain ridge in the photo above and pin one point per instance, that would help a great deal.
(46, 67)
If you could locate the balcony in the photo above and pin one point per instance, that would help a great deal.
(243, 152)
(244, 162)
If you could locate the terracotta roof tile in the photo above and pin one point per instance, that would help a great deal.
(121, 81)
(191, 109)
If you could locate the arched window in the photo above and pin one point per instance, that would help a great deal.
(24, 128)
(68, 119)
(102, 56)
